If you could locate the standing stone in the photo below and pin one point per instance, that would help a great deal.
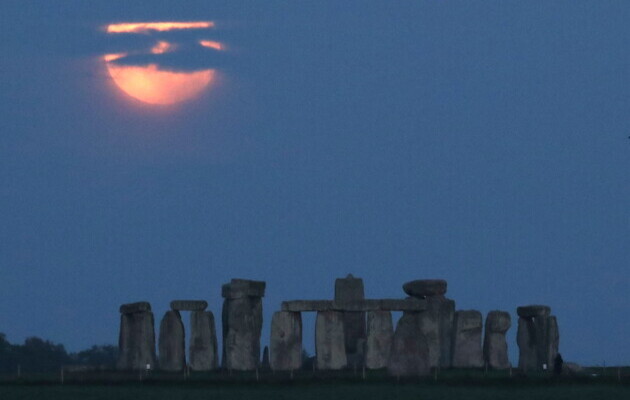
(350, 289)
(203, 342)
(537, 338)
(380, 333)
(330, 346)
(410, 352)
(171, 342)
(136, 341)
(467, 351)
(285, 348)
(436, 323)
(242, 324)
(495, 348)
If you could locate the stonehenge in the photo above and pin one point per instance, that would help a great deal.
(348, 290)
(350, 331)
(285, 345)
(242, 324)
(495, 347)
(136, 342)
(380, 334)
(467, 351)
(437, 322)
(537, 338)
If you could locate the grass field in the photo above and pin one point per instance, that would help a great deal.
(469, 385)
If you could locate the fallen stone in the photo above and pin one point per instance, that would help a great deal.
(203, 342)
(242, 325)
(410, 353)
(330, 346)
(239, 288)
(572, 369)
(467, 327)
(189, 305)
(347, 290)
(495, 348)
(533, 311)
(285, 348)
(425, 287)
(136, 341)
(130, 308)
(172, 350)
(380, 333)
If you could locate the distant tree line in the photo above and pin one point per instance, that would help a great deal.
(38, 355)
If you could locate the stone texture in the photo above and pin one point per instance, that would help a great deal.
(136, 341)
(495, 347)
(436, 324)
(330, 346)
(285, 346)
(425, 287)
(533, 311)
(140, 306)
(537, 337)
(572, 369)
(347, 290)
(239, 288)
(203, 342)
(410, 352)
(189, 305)
(410, 304)
(242, 325)
(380, 333)
(172, 350)
(467, 329)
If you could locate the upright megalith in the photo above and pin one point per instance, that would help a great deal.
(285, 347)
(537, 337)
(136, 341)
(242, 323)
(409, 352)
(203, 354)
(436, 323)
(467, 328)
(171, 342)
(348, 290)
(380, 333)
(330, 348)
(495, 347)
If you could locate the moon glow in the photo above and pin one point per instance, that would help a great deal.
(149, 83)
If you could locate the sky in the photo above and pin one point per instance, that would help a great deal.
(485, 143)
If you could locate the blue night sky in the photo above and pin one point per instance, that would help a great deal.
(485, 143)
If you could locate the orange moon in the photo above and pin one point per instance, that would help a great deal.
(149, 83)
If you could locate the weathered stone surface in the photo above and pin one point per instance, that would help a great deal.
(350, 289)
(189, 305)
(552, 340)
(265, 359)
(172, 350)
(425, 287)
(436, 324)
(136, 341)
(533, 311)
(203, 351)
(467, 329)
(495, 347)
(140, 306)
(410, 352)
(526, 340)
(410, 304)
(285, 346)
(537, 338)
(239, 288)
(330, 346)
(242, 324)
(380, 333)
